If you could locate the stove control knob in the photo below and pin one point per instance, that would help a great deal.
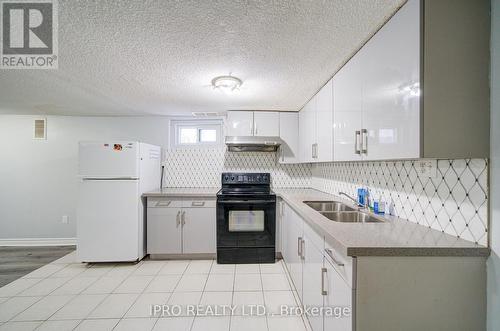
(232, 177)
(226, 178)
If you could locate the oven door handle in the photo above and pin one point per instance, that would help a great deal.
(246, 201)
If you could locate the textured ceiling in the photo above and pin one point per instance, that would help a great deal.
(158, 57)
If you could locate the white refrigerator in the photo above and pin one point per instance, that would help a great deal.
(110, 213)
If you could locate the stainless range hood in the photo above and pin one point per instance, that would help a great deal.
(253, 144)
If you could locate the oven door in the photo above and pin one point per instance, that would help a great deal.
(246, 225)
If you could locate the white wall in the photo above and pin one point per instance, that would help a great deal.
(494, 260)
(38, 179)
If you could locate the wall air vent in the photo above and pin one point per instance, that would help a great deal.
(205, 114)
(40, 129)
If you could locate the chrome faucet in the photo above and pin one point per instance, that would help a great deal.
(365, 206)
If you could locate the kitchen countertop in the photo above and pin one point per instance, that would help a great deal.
(394, 237)
(184, 192)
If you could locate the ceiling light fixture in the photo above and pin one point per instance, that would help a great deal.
(226, 84)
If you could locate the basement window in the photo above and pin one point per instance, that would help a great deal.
(196, 133)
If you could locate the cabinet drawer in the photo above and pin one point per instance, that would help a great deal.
(343, 264)
(199, 203)
(164, 203)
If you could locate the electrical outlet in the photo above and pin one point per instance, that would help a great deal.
(65, 219)
(426, 168)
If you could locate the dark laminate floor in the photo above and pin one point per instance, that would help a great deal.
(16, 262)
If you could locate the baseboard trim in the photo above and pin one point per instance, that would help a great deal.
(197, 256)
(38, 242)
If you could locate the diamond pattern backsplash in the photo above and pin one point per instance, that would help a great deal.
(455, 201)
(202, 167)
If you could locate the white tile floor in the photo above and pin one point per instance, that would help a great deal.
(66, 295)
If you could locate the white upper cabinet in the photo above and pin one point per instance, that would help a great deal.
(239, 123)
(347, 114)
(416, 86)
(249, 123)
(316, 127)
(376, 98)
(324, 124)
(289, 128)
(307, 131)
(390, 64)
(266, 124)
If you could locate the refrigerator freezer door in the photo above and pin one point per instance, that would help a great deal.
(108, 221)
(110, 159)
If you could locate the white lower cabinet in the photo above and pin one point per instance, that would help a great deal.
(198, 232)
(381, 293)
(312, 295)
(337, 297)
(362, 293)
(292, 245)
(176, 226)
(318, 285)
(164, 233)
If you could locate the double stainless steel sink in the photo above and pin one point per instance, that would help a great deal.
(339, 212)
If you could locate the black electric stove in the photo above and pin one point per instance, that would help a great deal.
(246, 219)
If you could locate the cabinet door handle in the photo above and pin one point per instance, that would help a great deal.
(299, 246)
(314, 151)
(323, 273)
(303, 249)
(330, 254)
(282, 154)
(178, 218)
(255, 125)
(198, 203)
(364, 142)
(357, 135)
(183, 218)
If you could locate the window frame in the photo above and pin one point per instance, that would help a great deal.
(177, 125)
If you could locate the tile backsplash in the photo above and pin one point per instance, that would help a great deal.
(455, 201)
(202, 167)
